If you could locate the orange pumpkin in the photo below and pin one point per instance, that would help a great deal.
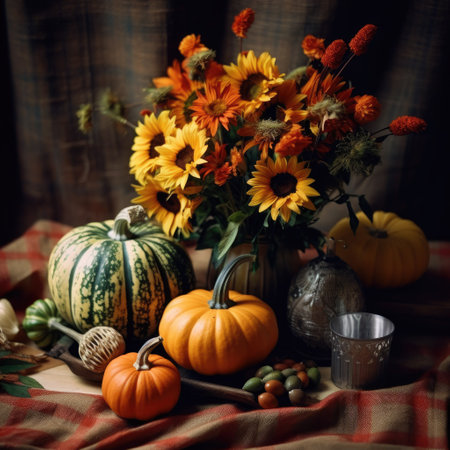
(141, 385)
(219, 331)
(387, 252)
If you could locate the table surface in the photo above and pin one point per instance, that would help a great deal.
(410, 412)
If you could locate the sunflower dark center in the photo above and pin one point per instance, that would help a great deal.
(159, 139)
(169, 202)
(251, 87)
(273, 112)
(184, 156)
(283, 184)
(215, 108)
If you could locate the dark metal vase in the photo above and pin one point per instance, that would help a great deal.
(322, 289)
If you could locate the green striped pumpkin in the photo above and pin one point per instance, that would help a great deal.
(119, 273)
(35, 322)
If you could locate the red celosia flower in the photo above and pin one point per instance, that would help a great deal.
(367, 108)
(358, 45)
(242, 22)
(313, 47)
(406, 125)
(334, 53)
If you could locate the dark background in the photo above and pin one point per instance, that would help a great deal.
(58, 54)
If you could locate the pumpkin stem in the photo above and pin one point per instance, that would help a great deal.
(220, 298)
(124, 220)
(56, 324)
(142, 357)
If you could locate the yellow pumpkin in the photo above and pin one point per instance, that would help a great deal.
(220, 331)
(388, 252)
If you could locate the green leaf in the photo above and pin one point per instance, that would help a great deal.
(17, 390)
(12, 365)
(365, 207)
(237, 217)
(354, 222)
(30, 382)
(228, 239)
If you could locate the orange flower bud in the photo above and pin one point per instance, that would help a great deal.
(190, 45)
(313, 47)
(367, 108)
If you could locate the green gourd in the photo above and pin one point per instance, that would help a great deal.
(119, 273)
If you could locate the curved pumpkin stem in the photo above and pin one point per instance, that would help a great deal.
(220, 298)
(124, 220)
(56, 324)
(142, 357)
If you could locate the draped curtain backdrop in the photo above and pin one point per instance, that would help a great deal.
(57, 55)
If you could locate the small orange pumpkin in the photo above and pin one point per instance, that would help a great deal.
(219, 331)
(385, 253)
(141, 385)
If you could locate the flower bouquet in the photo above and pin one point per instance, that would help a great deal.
(226, 154)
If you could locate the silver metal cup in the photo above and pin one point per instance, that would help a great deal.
(360, 346)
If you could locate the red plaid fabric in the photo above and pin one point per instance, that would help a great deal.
(23, 262)
(411, 414)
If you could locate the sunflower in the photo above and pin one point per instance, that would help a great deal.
(173, 210)
(282, 185)
(150, 135)
(286, 106)
(181, 154)
(219, 105)
(254, 78)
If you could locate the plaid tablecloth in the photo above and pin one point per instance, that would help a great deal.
(413, 413)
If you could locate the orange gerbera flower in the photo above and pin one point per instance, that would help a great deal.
(242, 22)
(176, 78)
(217, 164)
(328, 86)
(367, 109)
(190, 45)
(293, 142)
(219, 105)
(222, 174)
(264, 134)
(313, 47)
